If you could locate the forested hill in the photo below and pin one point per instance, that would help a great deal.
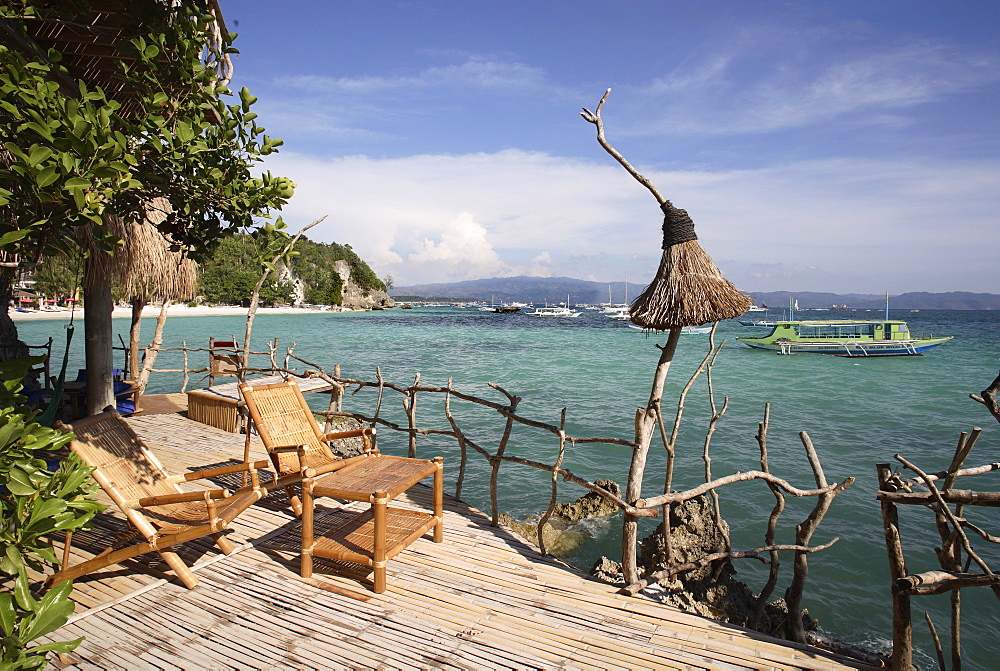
(230, 275)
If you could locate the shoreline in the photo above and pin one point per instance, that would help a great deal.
(178, 310)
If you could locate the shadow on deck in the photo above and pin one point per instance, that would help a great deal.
(484, 598)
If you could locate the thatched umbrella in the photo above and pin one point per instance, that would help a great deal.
(152, 271)
(688, 290)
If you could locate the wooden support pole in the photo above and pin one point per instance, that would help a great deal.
(902, 625)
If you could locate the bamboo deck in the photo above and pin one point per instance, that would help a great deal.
(482, 599)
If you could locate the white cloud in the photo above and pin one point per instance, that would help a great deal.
(837, 225)
(804, 78)
(459, 251)
(477, 71)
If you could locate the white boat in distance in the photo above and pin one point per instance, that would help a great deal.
(553, 311)
(685, 330)
(620, 313)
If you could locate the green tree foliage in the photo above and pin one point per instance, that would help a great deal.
(71, 158)
(58, 276)
(35, 502)
(230, 274)
(226, 276)
(314, 266)
(76, 158)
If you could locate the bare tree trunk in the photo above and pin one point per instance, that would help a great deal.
(134, 337)
(10, 346)
(645, 423)
(100, 355)
(154, 349)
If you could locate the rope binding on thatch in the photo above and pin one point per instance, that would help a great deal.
(677, 225)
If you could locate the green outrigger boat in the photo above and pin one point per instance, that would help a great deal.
(848, 337)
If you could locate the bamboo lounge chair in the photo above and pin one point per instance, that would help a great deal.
(299, 450)
(157, 509)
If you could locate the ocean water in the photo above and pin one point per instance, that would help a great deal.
(858, 412)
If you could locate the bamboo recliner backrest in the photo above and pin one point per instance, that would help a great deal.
(124, 468)
(283, 419)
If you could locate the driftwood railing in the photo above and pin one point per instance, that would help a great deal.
(559, 469)
(956, 554)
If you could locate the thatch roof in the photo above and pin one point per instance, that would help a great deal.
(144, 266)
(87, 42)
(688, 289)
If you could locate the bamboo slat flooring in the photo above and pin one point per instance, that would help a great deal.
(162, 404)
(482, 599)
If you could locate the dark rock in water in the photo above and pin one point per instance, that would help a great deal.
(347, 447)
(562, 533)
(711, 591)
(590, 505)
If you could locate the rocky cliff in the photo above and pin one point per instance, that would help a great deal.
(357, 298)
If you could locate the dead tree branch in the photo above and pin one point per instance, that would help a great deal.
(670, 571)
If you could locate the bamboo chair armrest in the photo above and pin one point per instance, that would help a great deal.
(332, 466)
(184, 497)
(298, 450)
(286, 480)
(225, 470)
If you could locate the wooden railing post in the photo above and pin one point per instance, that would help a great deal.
(902, 625)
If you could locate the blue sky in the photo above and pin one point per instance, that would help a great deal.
(818, 146)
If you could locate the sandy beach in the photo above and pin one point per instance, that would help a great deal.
(179, 310)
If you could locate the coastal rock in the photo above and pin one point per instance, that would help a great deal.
(347, 447)
(566, 530)
(590, 504)
(693, 534)
(357, 298)
(712, 591)
(608, 571)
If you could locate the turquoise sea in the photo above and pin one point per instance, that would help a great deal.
(857, 411)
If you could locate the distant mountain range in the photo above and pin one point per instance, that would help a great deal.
(540, 290)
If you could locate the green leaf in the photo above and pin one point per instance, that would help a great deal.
(51, 613)
(22, 594)
(246, 99)
(77, 183)
(19, 483)
(46, 177)
(13, 236)
(60, 646)
(8, 614)
(38, 154)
